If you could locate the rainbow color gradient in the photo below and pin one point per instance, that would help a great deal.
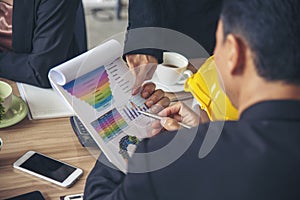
(93, 88)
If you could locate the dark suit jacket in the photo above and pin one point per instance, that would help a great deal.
(45, 34)
(257, 157)
(194, 18)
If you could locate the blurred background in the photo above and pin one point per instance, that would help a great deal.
(104, 19)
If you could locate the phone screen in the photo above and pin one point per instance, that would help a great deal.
(36, 195)
(48, 167)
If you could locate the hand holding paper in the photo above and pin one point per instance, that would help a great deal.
(98, 86)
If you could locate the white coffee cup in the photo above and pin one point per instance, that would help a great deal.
(173, 70)
(6, 95)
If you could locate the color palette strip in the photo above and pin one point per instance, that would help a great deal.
(93, 88)
(109, 125)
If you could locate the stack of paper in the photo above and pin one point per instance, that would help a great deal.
(43, 103)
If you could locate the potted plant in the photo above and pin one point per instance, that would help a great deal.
(1, 109)
(1, 114)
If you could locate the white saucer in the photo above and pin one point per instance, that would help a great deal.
(166, 88)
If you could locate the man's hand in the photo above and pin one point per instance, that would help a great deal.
(142, 67)
(156, 99)
(178, 112)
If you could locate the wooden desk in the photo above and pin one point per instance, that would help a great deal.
(52, 137)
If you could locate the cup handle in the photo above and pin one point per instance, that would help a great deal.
(186, 74)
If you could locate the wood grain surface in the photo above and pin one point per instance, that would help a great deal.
(52, 137)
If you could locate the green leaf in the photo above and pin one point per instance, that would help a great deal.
(1, 109)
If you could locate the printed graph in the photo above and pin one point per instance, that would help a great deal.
(93, 88)
(124, 143)
(109, 125)
(134, 105)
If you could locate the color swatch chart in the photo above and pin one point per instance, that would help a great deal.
(93, 88)
(134, 105)
(109, 125)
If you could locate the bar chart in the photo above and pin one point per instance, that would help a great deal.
(134, 105)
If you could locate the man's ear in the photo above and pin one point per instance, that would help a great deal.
(236, 54)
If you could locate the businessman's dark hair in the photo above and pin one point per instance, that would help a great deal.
(271, 28)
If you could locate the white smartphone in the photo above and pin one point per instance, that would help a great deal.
(74, 197)
(48, 168)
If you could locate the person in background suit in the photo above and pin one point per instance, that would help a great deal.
(194, 18)
(257, 157)
(36, 35)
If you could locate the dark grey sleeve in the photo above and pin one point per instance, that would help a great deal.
(51, 41)
(141, 14)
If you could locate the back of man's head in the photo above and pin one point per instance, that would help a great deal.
(271, 28)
